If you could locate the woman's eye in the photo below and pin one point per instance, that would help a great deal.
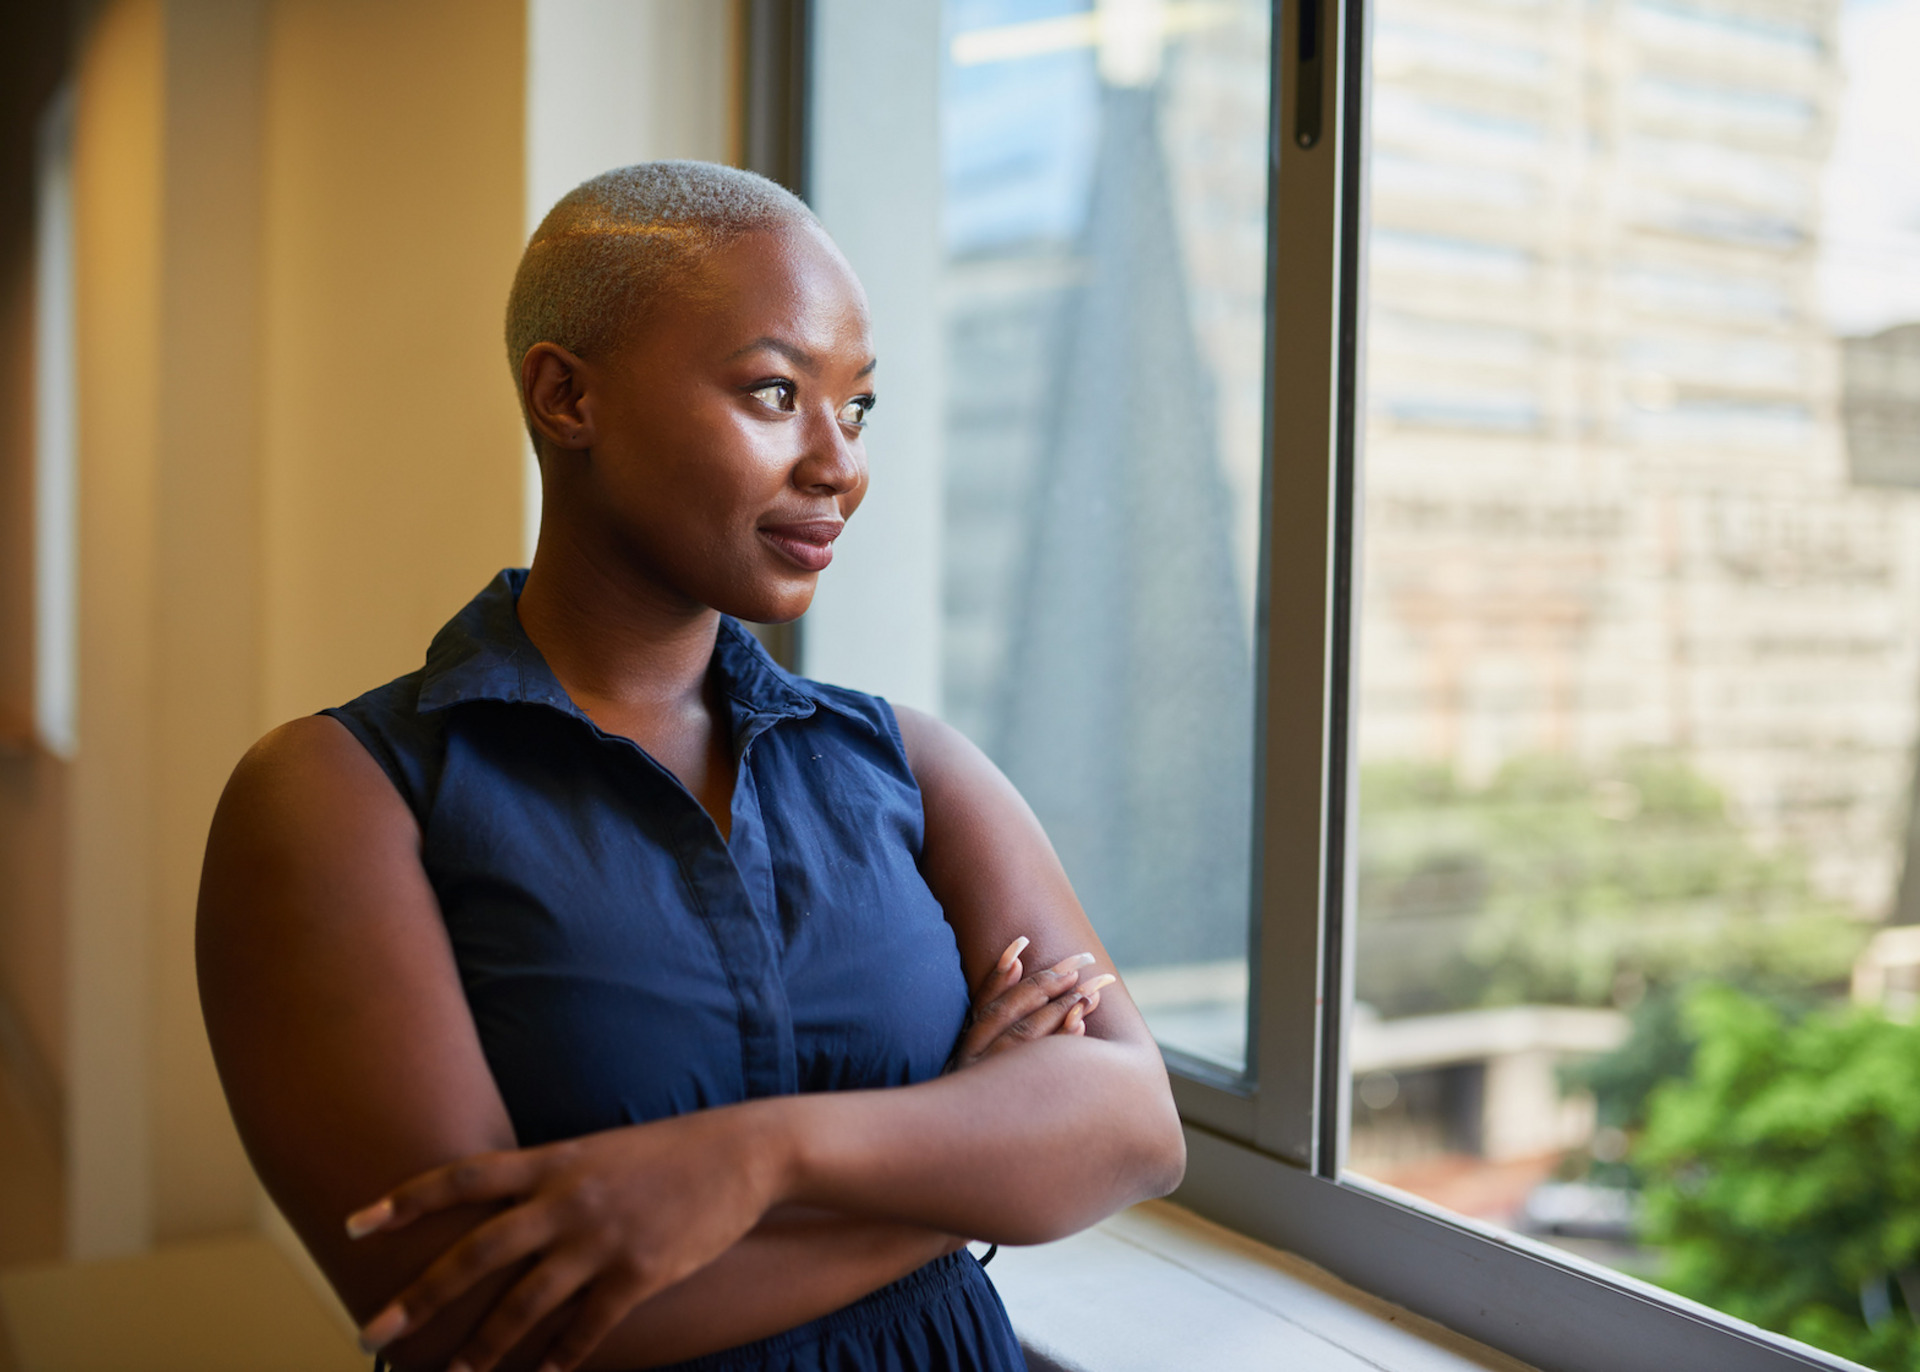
(777, 394)
(854, 413)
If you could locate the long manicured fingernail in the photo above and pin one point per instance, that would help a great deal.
(1012, 955)
(363, 1222)
(1100, 983)
(1072, 1023)
(1072, 964)
(383, 1329)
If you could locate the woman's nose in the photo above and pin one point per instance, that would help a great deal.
(833, 462)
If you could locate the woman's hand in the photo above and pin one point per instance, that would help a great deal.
(1010, 1008)
(608, 1220)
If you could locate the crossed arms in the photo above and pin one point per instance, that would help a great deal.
(356, 1077)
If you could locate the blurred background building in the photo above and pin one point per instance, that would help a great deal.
(1101, 482)
(1639, 620)
(1609, 494)
(1639, 494)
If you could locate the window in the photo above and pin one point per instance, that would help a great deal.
(55, 418)
(1345, 435)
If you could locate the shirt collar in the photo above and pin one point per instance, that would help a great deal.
(484, 654)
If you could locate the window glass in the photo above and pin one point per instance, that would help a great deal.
(1639, 664)
(1103, 297)
(56, 645)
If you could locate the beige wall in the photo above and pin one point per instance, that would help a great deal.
(393, 222)
(117, 253)
(295, 224)
(205, 606)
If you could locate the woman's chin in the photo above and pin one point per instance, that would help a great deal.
(781, 606)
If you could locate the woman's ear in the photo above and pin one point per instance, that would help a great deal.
(553, 383)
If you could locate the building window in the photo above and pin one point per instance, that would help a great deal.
(1417, 498)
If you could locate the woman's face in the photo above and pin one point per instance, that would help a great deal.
(727, 453)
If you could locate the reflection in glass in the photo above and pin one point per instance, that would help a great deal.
(1105, 220)
(1640, 634)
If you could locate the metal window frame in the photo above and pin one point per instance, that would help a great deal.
(776, 141)
(775, 137)
(1265, 1146)
(1265, 1151)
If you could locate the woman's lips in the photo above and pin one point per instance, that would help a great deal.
(808, 545)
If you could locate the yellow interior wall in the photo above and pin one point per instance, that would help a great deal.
(206, 640)
(392, 447)
(117, 252)
(295, 225)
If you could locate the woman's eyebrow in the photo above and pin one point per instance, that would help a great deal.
(800, 357)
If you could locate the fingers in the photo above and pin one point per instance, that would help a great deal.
(1086, 1001)
(557, 1280)
(1064, 1014)
(1067, 971)
(483, 1177)
(500, 1242)
(535, 1296)
(1049, 1019)
(607, 1303)
(1003, 973)
(1022, 1016)
(1004, 1012)
(1090, 991)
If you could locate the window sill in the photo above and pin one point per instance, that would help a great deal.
(1158, 1287)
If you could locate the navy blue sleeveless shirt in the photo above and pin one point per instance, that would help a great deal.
(626, 963)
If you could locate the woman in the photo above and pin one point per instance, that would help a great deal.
(624, 973)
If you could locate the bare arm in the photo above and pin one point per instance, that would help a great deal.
(1031, 1145)
(1025, 1147)
(351, 1062)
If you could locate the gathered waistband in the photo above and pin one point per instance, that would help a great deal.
(916, 1289)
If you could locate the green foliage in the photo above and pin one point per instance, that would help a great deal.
(1658, 1049)
(1569, 885)
(1777, 1146)
(1781, 1175)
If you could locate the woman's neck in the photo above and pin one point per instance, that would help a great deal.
(637, 663)
(612, 639)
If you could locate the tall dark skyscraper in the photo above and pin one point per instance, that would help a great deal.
(1125, 713)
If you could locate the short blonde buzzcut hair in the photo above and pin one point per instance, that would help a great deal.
(612, 244)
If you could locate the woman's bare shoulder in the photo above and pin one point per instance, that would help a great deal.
(304, 777)
(331, 997)
(943, 758)
(312, 861)
(308, 827)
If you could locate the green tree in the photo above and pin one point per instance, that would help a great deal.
(1781, 1174)
(1561, 883)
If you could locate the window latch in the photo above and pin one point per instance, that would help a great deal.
(1307, 67)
